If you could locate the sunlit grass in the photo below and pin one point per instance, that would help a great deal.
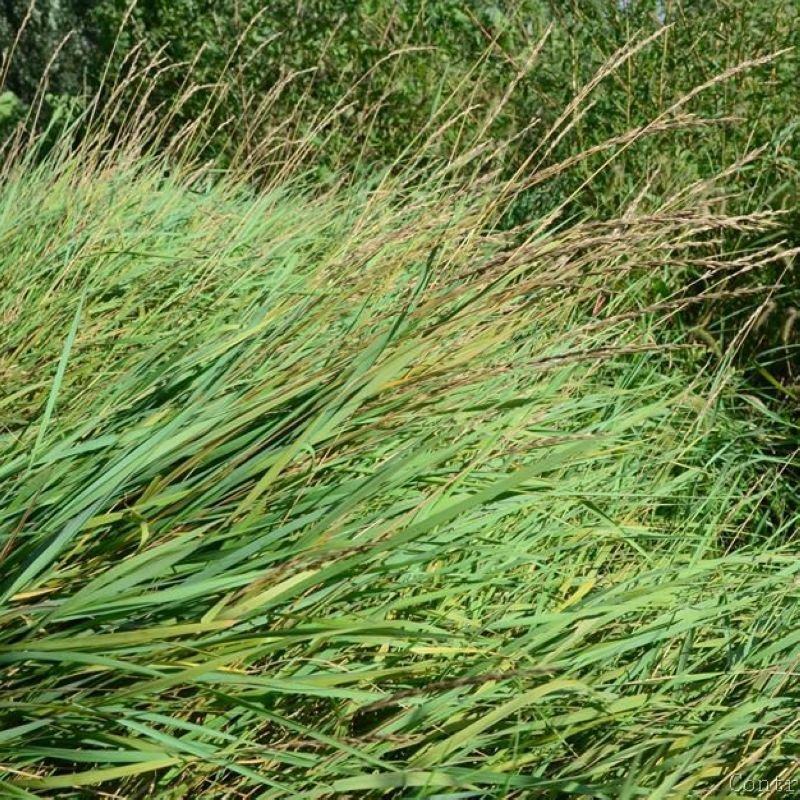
(323, 496)
(346, 490)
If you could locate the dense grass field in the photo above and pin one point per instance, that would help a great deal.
(408, 481)
(328, 495)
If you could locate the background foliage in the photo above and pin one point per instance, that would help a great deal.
(413, 51)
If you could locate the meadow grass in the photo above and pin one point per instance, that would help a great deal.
(355, 493)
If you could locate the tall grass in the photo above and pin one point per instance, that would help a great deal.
(350, 493)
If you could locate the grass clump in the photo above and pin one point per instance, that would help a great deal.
(352, 494)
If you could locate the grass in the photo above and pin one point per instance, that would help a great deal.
(352, 494)
(354, 489)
